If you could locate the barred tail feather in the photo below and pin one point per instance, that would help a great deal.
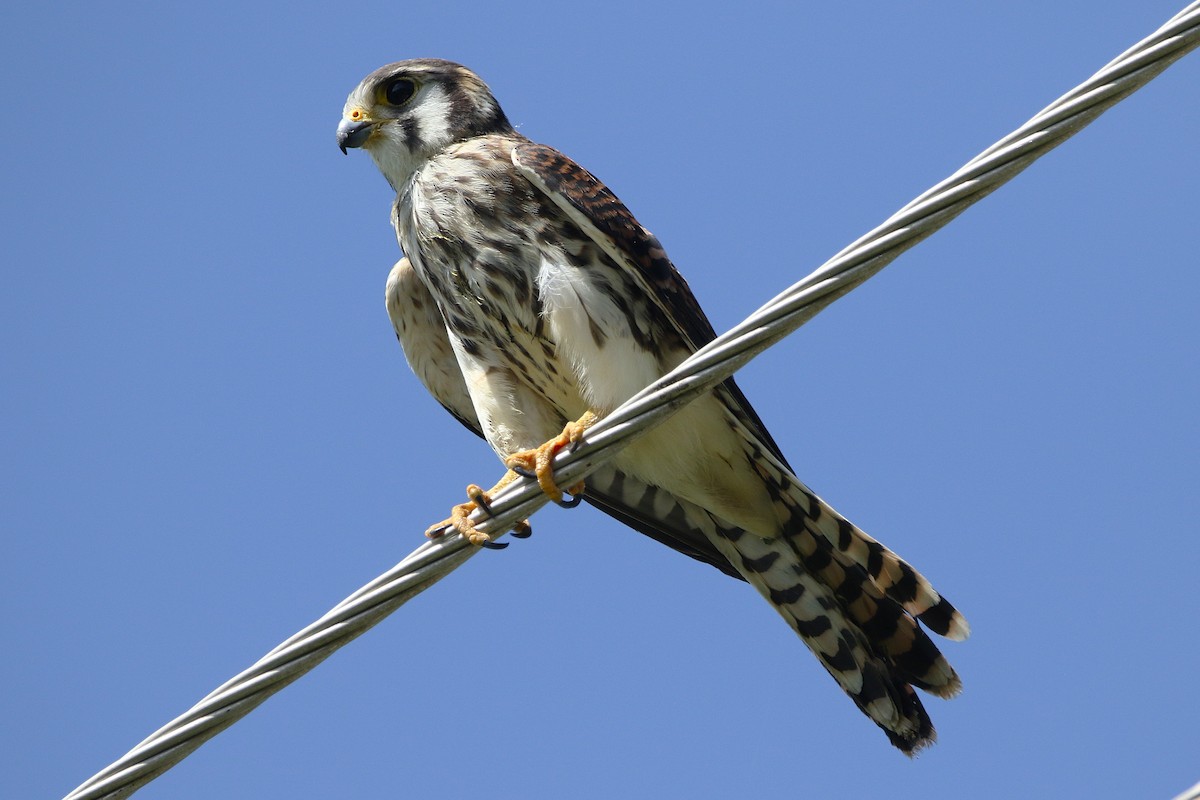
(853, 602)
(802, 509)
(880, 684)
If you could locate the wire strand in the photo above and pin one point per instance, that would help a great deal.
(1191, 794)
(701, 372)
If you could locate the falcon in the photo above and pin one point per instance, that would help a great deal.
(530, 303)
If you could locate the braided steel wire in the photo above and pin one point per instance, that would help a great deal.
(1191, 794)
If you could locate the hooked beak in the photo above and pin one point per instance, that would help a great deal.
(352, 133)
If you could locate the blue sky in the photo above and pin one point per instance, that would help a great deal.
(210, 437)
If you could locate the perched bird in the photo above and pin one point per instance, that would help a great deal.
(531, 302)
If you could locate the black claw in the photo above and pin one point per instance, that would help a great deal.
(482, 502)
(524, 473)
(494, 545)
(572, 502)
(522, 530)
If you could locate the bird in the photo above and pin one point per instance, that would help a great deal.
(530, 302)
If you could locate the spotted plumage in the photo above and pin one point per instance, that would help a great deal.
(529, 295)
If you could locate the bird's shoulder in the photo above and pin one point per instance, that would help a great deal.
(589, 203)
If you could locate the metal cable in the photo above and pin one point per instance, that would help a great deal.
(706, 368)
(1191, 794)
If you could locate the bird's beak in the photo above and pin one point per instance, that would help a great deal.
(353, 133)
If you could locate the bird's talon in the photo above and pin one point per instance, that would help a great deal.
(537, 464)
(524, 473)
(479, 498)
(488, 544)
(576, 495)
(522, 529)
(573, 500)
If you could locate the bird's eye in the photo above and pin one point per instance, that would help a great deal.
(400, 91)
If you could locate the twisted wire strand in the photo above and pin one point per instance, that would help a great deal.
(1191, 794)
(707, 367)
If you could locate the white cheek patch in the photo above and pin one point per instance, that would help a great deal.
(429, 112)
(432, 114)
(608, 371)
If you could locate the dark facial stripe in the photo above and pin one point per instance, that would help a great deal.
(412, 137)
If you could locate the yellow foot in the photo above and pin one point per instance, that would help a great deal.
(537, 462)
(460, 516)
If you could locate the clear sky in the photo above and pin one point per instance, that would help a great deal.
(209, 436)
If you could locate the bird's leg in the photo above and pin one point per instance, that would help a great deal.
(460, 516)
(537, 463)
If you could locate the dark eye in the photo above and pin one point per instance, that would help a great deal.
(400, 91)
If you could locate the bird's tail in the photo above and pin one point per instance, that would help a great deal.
(854, 603)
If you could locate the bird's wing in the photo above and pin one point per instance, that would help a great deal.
(422, 335)
(603, 217)
(647, 509)
(854, 602)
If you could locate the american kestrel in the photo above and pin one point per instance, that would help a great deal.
(530, 302)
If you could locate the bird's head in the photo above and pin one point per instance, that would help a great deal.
(407, 112)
